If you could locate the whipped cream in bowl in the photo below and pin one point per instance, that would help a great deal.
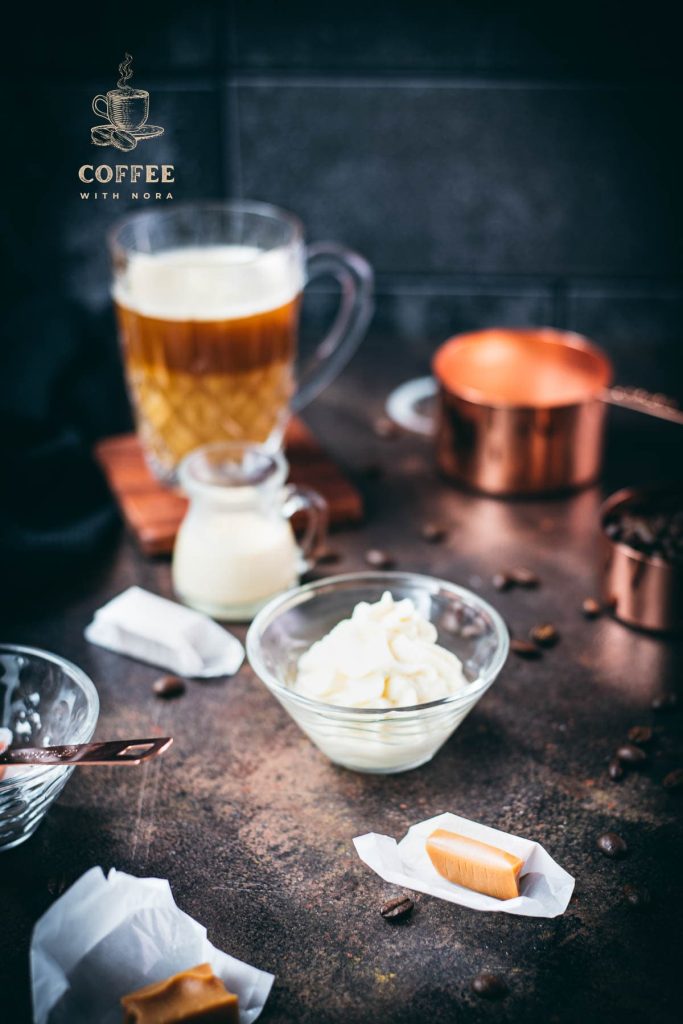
(378, 668)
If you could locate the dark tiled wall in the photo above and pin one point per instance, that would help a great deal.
(496, 162)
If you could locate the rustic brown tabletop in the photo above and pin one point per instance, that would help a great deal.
(253, 827)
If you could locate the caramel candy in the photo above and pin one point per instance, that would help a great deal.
(475, 865)
(193, 995)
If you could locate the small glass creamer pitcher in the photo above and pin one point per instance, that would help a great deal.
(236, 548)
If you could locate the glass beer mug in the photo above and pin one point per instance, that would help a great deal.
(207, 298)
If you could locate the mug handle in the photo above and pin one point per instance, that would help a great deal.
(355, 278)
(314, 506)
(96, 109)
(403, 400)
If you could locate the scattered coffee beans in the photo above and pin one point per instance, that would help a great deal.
(502, 581)
(611, 844)
(665, 702)
(590, 608)
(545, 635)
(490, 986)
(629, 753)
(168, 686)
(674, 780)
(640, 734)
(398, 908)
(451, 622)
(327, 556)
(637, 898)
(56, 885)
(616, 770)
(433, 533)
(386, 428)
(473, 629)
(524, 649)
(525, 578)
(378, 559)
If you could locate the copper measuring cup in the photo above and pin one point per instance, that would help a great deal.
(642, 590)
(519, 411)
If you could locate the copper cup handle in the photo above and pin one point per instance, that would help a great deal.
(639, 400)
(402, 405)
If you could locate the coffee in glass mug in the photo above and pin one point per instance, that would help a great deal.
(207, 298)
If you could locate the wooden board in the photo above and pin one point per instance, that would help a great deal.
(153, 512)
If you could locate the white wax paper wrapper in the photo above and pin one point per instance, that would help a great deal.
(106, 937)
(545, 887)
(152, 629)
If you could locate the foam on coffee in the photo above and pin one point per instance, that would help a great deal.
(208, 283)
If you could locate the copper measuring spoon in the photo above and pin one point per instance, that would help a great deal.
(107, 752)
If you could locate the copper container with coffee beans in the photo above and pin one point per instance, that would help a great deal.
(642, 570)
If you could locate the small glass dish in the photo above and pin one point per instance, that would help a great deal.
(44, 700)
(366, 739)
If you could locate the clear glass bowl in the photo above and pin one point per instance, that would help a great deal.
(44, 700)
(363, 739)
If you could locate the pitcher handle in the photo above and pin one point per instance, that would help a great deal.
(314, 506)
(355, 278)
(402, 405)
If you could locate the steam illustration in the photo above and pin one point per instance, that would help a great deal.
(125, 72)
(125, 111)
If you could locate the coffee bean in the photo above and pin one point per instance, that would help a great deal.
(502, 581)
(397, 909)
(665, 702)
(490, 986)
(525, 578)
(656, 530)
(123, 140)
(590, 608)
(56, 885)
(674, 780)
(433, 533)
(640, 734)
(611, 844)
(378, 559)
(545, 635)
(472, 630)
(637, 898)
(100, 135)
(168, 686)
(451, 622)
(523, 649)
(629, 753)
(615, 770)
(327, 556)
(385, 428)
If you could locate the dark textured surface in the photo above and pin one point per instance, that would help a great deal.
(253, 827)
(491, 37)
(443, 177)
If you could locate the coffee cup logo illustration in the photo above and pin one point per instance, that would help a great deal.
(125, 111)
